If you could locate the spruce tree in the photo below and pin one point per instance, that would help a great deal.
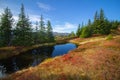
(78, 31)
(6, 28)
(89, 22)
(42, 33)
(23, 31)
(36, 37)
(101, 25)
(102, 16)
(104, 26)
(89, 25)
(96, 16)
(49, 32)
(95, 23)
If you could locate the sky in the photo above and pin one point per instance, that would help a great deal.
(65, 15)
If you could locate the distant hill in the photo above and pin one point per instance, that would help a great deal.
(60, 34)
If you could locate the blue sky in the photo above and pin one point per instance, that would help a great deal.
(65, 15)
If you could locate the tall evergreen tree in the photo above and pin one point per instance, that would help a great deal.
(96, 16)
(23, 31)
(6, 28)
(95, 23)
(49, 32)
(36, 35)
(101, 25)
(89, 23)
(42, 30)
(104, 25)
(78, 31)
(102, 16)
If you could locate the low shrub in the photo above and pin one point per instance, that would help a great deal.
(109, 37)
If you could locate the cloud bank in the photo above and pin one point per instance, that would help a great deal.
(67, 27)
(44, 6)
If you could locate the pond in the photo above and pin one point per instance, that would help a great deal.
(32, 58)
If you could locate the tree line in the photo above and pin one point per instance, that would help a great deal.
(22, 34)
(101, 26)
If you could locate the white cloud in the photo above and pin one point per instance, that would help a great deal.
(34, 18)
(44, 6)
(67, 27)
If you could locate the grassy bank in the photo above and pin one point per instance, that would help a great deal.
(95, 60)
(6, 52)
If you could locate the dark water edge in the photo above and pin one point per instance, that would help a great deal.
(32, 58)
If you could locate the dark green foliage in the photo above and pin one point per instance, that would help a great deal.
(36, 34)
(49, 33)
(86, 32)
(42, 31)
(23, 31)
(43, 34)
(100, 24)
(96, 17)
(78, 31)
(115, 24)
(102, 16)
(6, 28)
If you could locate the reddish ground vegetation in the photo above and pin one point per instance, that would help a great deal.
(98, 60)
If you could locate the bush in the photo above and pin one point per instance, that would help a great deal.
(109, 37)
(86, 32)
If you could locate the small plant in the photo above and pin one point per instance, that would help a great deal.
(109, 37)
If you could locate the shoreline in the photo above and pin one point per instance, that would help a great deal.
(6, 52)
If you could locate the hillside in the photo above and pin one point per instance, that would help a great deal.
(95, 59)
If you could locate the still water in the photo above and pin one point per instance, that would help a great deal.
(32, 58)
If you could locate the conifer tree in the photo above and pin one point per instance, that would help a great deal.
(96, 16)
(42, 33)
(23, 31)
(49, 32)
(78, 31)
(6, 23)
(102, 16)
(36, 35)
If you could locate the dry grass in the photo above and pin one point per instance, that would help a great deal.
(98, 60)
(6, 52)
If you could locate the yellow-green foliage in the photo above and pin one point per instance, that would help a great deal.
(109, 37)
